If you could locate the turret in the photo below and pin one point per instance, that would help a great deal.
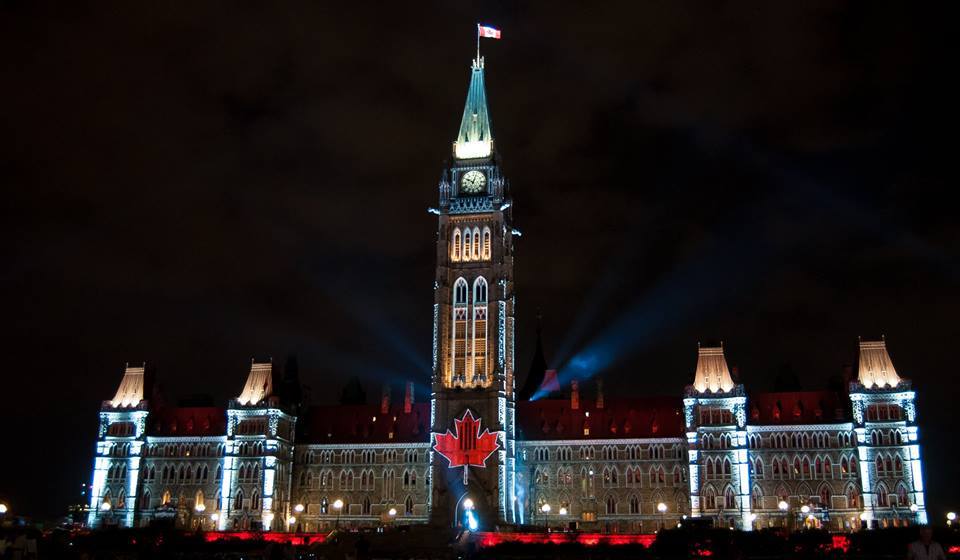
(888, 444)
(116, 469)
(260, 437)
(715, 415)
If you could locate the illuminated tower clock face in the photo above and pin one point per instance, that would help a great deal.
(473, 182)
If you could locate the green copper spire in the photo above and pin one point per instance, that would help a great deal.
(476, 138)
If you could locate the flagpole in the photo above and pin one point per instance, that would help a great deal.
(478, 44)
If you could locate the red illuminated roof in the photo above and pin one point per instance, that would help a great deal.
(184, 421)
(649, 417)
(355, 424)
(796, 407)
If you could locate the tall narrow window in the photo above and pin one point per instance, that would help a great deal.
(467, 244)
(729, 499)
(709, 499)
(480, 330)
(486, 244)
(458, 349)
(476, 244)
(455, 247)
(825, 495)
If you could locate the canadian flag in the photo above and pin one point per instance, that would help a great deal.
(488, 32)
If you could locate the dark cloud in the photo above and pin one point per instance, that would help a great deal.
(197, 185)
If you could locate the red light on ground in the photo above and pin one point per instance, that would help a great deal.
(286, 538)
(840, 542)
(955, 549)
(586, 539)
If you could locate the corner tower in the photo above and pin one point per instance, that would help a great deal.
(119, 453)
(472, 410)
(888, 439)
(716, 426)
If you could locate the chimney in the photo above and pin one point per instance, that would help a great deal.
(408, 398)
(385, 400)
(574, 395)
(599, 393)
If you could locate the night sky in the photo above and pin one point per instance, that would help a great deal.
(197, 184)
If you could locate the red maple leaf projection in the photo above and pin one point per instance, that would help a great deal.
(468, 448)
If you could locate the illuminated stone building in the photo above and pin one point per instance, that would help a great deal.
(475, 453)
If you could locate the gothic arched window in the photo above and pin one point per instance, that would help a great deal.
(825, 495)
(902, 499)
(709, 499)
(455, 246)
(883, 500)
(611, 505)
(480, 327)
(459, 329)
(486, 244)
(467, 244)
(729, 498)
(853, 497)
(476, 244)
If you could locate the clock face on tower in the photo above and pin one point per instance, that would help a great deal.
(473, 182)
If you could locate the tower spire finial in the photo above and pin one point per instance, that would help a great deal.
(475, 139)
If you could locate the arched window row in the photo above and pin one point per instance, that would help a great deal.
(711, 441)
(886, 437)
(249, 472)
(250, 448)
(727, 500)
(468, 244)
(888, 464)
(804, 440)
(718, 467)
(884, 412)
(805, 467)
(182, 473)
(633, 476)
(184, 450)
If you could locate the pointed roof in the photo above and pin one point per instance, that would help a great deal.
(875, 368)
(712, 375)
(476, 137)
(259, 384)
(130, 392)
